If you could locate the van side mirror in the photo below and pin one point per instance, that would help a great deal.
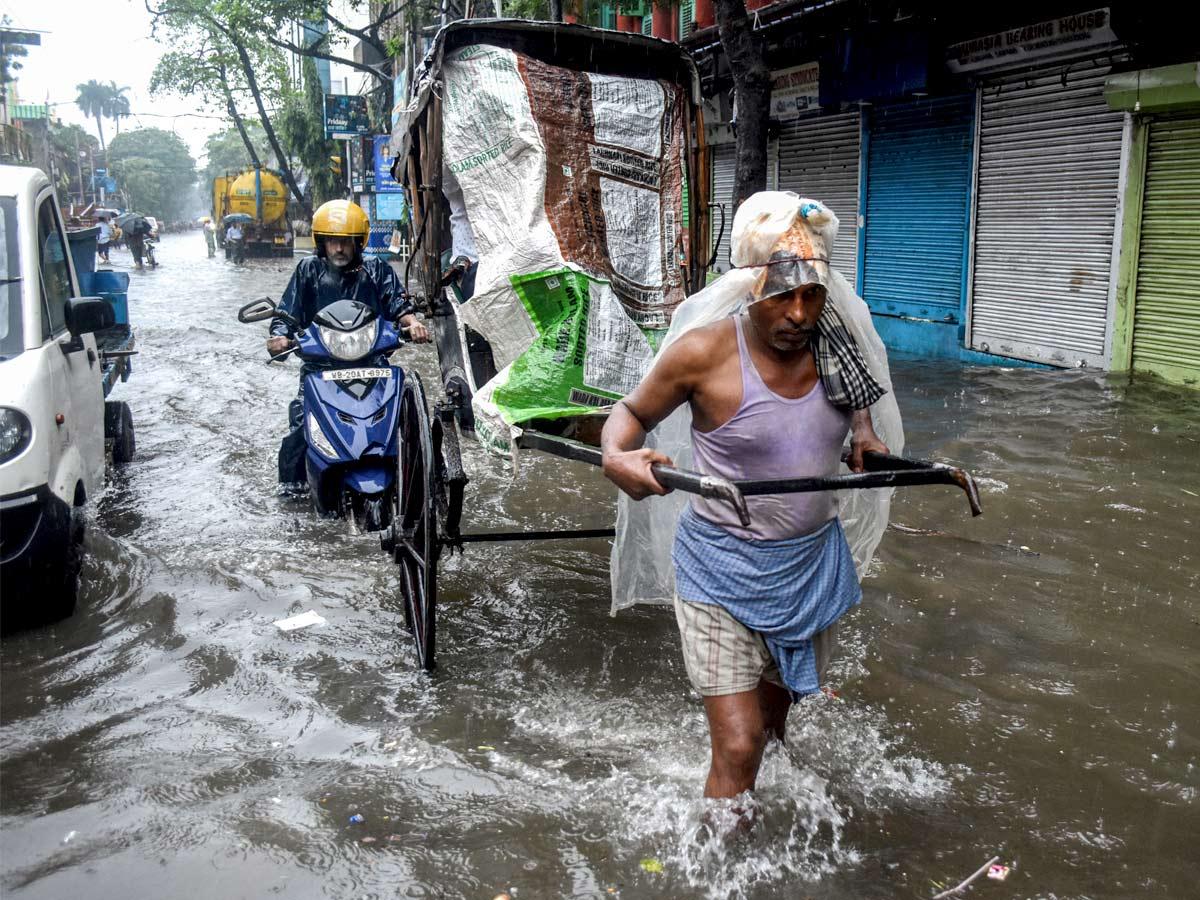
(85, 315)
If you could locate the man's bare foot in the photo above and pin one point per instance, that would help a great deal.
(727, 823)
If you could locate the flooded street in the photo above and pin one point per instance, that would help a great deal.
(1022, 685)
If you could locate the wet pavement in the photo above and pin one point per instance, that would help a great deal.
(1021, 685)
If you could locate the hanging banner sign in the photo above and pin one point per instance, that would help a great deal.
(795, 91)
(346, 116)
(382, 152)
(1016, 45)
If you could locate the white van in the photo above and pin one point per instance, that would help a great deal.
(52, 407)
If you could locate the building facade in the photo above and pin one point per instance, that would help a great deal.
(1004, 196)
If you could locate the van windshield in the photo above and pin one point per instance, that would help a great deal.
(11, 340)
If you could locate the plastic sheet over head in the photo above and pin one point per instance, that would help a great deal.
(641, 567)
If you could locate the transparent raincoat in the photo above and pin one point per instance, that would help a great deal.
(779, 242)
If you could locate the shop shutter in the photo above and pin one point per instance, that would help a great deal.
(722, 195)
(724, 156)
(1049, 166)
(919, 159)
(818, 158)
(773, 165)
(1166, 313)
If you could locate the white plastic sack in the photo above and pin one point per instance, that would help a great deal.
(641, 566)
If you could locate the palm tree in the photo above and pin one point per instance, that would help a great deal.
(118, 104)
(94, 99)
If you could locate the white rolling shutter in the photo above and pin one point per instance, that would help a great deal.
(818, 158)
(722, 195)
(1047, 196)
(723, 175)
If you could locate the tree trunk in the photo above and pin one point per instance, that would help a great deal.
(752, 97)
(280, 156)
(231, 107)
(103, 148)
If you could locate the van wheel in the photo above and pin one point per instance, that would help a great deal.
(118, 428)
(65, 589)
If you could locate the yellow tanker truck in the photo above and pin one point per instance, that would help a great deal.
(261, 195)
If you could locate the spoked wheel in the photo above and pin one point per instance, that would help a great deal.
(414, 524)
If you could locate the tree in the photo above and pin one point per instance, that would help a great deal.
(10, 57)
(93, 100)
(118, 104)
(205, 73)
(225, 151)
(155, 171)
(303, 126)
(274, 18)
(747, 57)
(234, 53)
(71, 141)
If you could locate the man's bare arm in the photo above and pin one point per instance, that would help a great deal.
(626, 462)
(863, 438)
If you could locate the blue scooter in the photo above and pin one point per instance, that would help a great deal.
(351, 410)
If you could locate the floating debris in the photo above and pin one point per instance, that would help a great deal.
(304, 620)
(966, 883)
(652, 865)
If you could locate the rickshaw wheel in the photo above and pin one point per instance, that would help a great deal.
(414, 521)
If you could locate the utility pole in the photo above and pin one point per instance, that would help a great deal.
(79, 169)
(50, 167)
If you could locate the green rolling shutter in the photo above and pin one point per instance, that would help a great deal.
(1166, 313)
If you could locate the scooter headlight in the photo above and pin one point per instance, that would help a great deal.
(15, 433)
(349, 345)
(317, 438)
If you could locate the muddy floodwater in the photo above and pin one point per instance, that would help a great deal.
(1022, 685)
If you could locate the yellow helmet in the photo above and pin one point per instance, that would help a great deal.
(340, 218)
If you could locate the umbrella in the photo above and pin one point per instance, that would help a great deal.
(204, 220)
(237, 218)
(132, 221)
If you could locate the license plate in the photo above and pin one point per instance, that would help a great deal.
(354, 374)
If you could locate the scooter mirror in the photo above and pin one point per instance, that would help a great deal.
(257, 310)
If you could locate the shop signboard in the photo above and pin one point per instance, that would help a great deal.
(1052, 37)
(795, 91)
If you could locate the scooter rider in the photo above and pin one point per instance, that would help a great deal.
(337, 272)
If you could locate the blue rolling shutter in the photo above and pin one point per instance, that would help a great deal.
(919, 158)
